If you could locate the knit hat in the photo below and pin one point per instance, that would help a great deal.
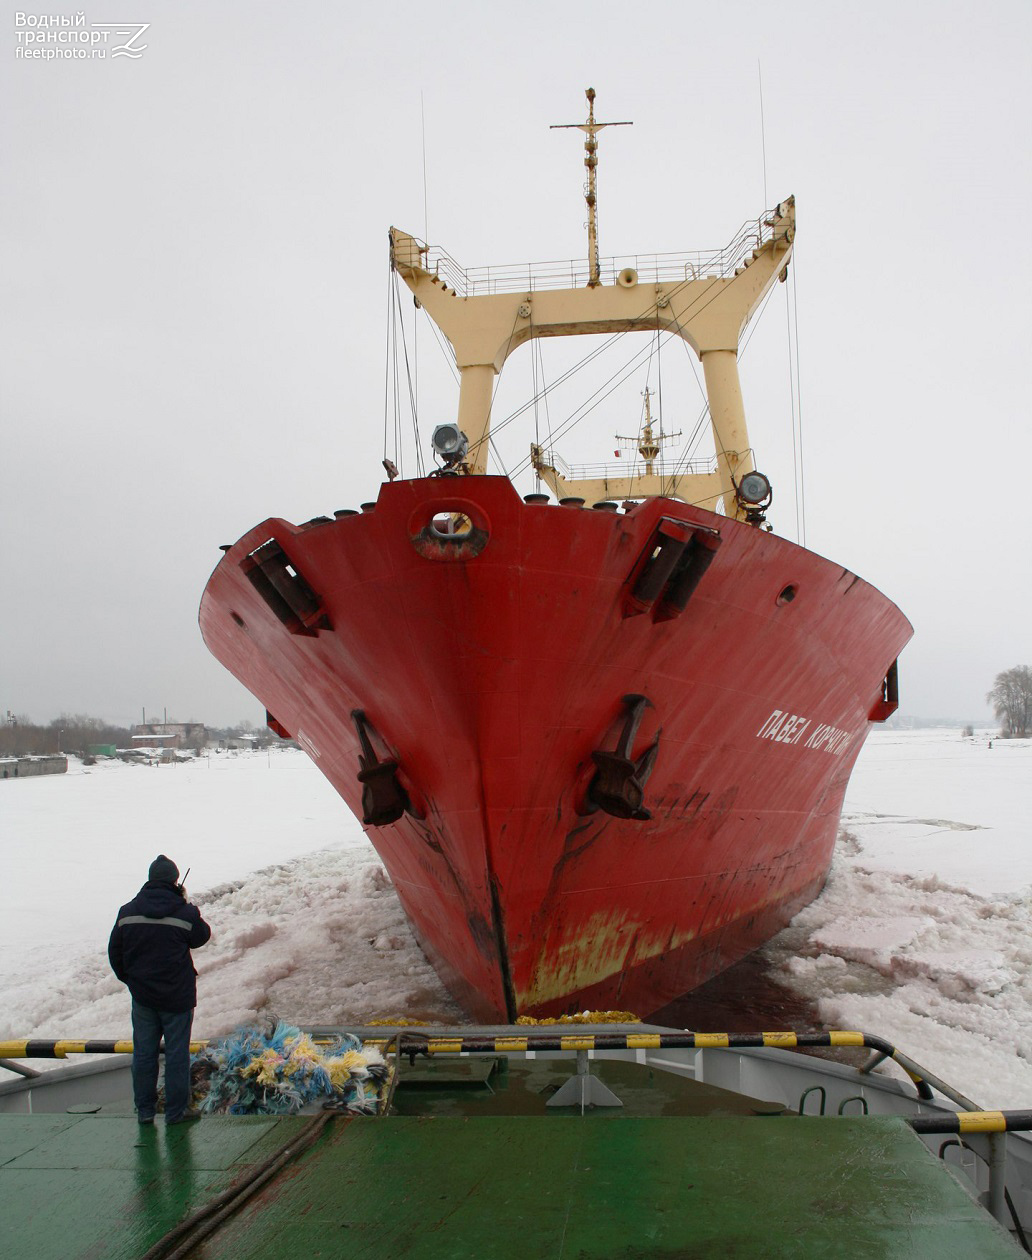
(163, 868)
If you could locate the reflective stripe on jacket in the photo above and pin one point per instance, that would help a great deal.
(150, 944)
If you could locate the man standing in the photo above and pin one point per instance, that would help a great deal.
(149, 951)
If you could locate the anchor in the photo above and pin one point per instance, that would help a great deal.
(384, 800)
(619, 784)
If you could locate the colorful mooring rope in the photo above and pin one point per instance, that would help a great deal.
(277, 1070)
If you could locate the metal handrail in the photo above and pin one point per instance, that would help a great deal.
(813, 1089)
(626, 468)
(656, 268)
(521, 1038)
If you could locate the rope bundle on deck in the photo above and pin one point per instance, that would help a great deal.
(278, 1070)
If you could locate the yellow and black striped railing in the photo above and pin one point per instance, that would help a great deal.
(548, 1038)
(411, 1041)
(418, 1043)
(39, 1049)
(414, 1042)
(975, 1122)
(518, 1042)
(521, 1039)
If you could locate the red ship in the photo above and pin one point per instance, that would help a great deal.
(602, 744)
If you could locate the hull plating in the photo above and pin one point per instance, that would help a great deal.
(492, 666)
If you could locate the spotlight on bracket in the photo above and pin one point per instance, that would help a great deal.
(753, 489)
(450, 444)
(754, 494)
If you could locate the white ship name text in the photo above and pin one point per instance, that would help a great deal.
(789, 728)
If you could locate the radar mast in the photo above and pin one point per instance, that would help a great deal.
(591, 128)
(648, 445)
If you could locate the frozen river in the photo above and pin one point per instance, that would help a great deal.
(921, 935)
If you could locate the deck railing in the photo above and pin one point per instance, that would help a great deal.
(573, 273)
(634, 467)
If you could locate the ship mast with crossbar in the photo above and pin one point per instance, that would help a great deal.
(709, 309)
(591, 128)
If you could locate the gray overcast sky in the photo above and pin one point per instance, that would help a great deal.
(195, 288)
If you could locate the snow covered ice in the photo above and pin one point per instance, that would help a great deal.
(924, 930)
(922, 934)
(305, 923)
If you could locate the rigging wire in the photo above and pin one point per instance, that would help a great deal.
(398, 444)
(585, 410)
(539, 347)
(535, 358)
(446, 350)
(641, 407)
(685, 457)
(411, 393)
(387, 358)
(561, 380)
(414, 386)
(659, 391)
(426, 216)
(654, 354)
(599, 396)
(474, 449)
(544, 396)
(620, 376)
(645, 315)
(641, 319)
(763, 131)
(696, 434)
(391, 374)
(792, 414)
(498, 459)
(799, 406)
(399, 437)
(654, 347)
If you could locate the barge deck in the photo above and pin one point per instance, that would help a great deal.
(473, 1162)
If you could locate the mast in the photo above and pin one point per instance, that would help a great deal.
(591, 128)
(648, 445)
(486, 321)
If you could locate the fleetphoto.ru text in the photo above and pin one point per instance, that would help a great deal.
(69, 37)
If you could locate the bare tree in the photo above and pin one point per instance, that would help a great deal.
(1011, 698)
(69, 733)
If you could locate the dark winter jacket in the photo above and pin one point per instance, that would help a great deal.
(150, 945)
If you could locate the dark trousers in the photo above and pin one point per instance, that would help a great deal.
(148, 1026)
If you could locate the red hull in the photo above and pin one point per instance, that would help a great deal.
(491, 669)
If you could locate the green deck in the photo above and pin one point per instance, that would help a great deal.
(441, 1185)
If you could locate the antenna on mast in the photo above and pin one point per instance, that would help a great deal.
(648, 444)
(591, 128)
